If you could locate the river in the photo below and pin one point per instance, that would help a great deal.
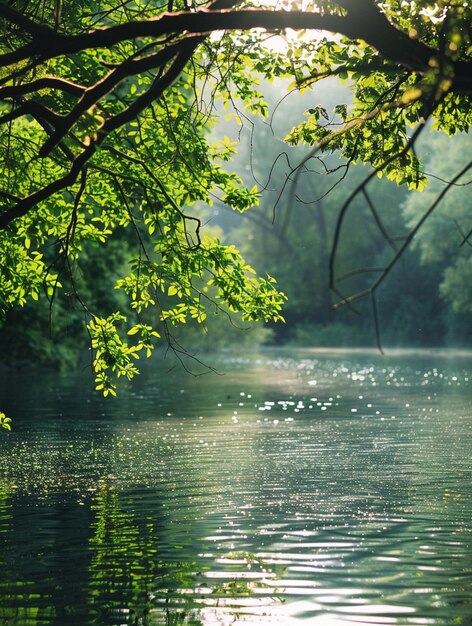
(288, 487)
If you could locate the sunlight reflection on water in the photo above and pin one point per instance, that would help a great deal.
(328, 489)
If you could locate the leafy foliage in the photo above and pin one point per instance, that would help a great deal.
(104, 112)
(140, 181)
(5, 421)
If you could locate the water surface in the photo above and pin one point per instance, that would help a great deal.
(292, 487)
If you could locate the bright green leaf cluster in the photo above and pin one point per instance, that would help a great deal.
(5, 422)
(240, 198)
(23, 273)
(112, 355)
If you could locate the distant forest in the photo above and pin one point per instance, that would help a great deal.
(426, 300)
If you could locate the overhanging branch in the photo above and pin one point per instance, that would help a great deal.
(363, 20)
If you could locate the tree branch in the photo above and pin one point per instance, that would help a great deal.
(386, 271)
(47, 82)
(362, 21)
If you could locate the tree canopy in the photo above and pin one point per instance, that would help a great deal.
(104, 116)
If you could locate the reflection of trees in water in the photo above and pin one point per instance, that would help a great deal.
(52, 579)
(126, 574)
(129, 583)
(123, 564)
